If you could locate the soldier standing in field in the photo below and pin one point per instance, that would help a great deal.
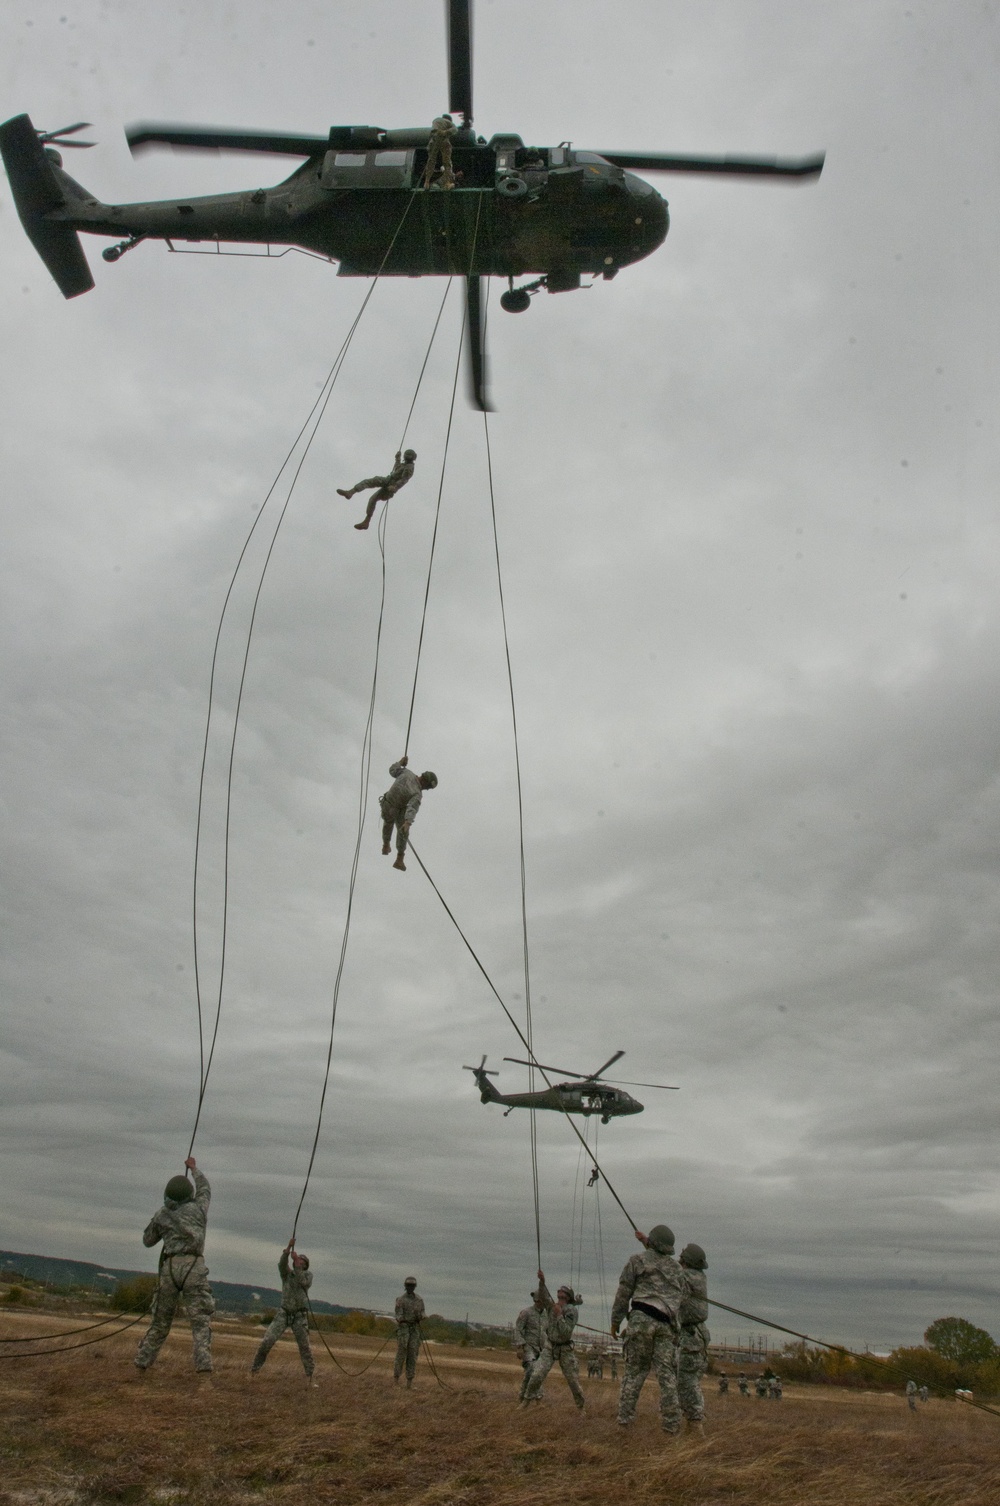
(410, 1313)
(911, 1395)
(399, 806)
(529, 1334)
(439, 147)
(180, 1224)
(296, 1279)
(561, 1317)
(692, 1351)
(386, 486)
(744, 1385)
(723, 1385)
(650, 1292)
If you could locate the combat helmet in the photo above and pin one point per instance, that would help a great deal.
(662, 1239)
(429, 778)
(178, 1190)
(410, 1281)
(409, 454)
(694, 1257)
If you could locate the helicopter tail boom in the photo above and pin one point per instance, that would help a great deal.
(37, 192)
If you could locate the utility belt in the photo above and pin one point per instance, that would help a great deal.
(407, 1322)
(656, 1313)
(555, 1344)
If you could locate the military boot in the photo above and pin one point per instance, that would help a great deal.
(697, 1428)
(341, 492)
(399, 863)
(386, 849)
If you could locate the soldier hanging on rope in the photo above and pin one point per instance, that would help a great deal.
(410, 1313)
(650, 1291)
(692, 1351)
(180, 1224)
(561, 1317)
(439, 146)
(296, 1279)
(529, 1335)
(386, 486)
(399, 806)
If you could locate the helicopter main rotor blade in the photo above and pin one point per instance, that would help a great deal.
(670, 1087)
(609, 1063)
(56, 138)
(563, 1071)
(145, 134)
(754, 167)
(477, 344)
(459, 23)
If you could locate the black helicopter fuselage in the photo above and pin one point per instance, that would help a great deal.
(551, 212)
(582, 1097)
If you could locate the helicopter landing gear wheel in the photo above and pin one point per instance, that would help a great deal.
(515, 300)
(512, 188)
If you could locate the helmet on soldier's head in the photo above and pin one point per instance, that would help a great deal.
(410, 1281)
(662, 1239)
(429, 780)
(178, 1190)
(409, 454)
(304, 1261)
(694, 1256)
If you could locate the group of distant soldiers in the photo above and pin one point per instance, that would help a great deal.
(764, 1386)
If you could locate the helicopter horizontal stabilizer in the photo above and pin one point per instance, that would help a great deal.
(37, 193)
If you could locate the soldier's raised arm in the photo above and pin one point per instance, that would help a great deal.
(202, 1191)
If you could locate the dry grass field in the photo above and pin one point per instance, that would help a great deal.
(80, 1429)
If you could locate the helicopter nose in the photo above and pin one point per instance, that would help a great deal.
(635, 1107)
(650, 216)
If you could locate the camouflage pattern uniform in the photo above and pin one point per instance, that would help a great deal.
(183, 1273)
(558, 1346)
(692, 1353)
(911, 1395)
(652, 1281)
(439, 145)
(388, 486)
(409, 1313)
(529, 1337)
(293, 1313)
(400, 804)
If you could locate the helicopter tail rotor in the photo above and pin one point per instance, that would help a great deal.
(58, 138)
(37, 192)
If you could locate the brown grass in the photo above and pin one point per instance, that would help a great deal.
(80, 1430)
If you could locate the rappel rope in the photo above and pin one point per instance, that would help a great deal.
(352, 1374)
(314, 419)
(37, 1354)
(528, 1030)
(437, 509)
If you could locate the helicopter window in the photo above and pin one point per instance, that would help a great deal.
(350, 159)
(557, 156)
(389, 159)
(590, 157)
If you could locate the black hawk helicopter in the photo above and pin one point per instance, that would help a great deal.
(553, 214)
(587, 1094)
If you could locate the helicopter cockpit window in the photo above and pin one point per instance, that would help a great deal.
(390, 159)
(349, 159)
(591, 157)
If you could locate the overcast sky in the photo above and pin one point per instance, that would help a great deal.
(748, 513)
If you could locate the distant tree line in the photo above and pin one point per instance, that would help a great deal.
(955, 1353)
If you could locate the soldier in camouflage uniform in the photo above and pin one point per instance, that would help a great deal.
(561, 1317)
(180, 1224)
(399, 806)
(692, 1352)
(296, 1279)
(529, 1335)
(386, 486)
(439, 146)
(410, 1312)
(654, 1286)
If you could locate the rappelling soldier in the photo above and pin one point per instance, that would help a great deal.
(692, 1350)
(399, 806)
(180, 1224)
(650, 1292)
(387, 486)
(296, 1279)
(529, 1335)
(410, 1313)
(562, 1316)
(439, 147)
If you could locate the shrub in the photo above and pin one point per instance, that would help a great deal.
(135, 1296)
